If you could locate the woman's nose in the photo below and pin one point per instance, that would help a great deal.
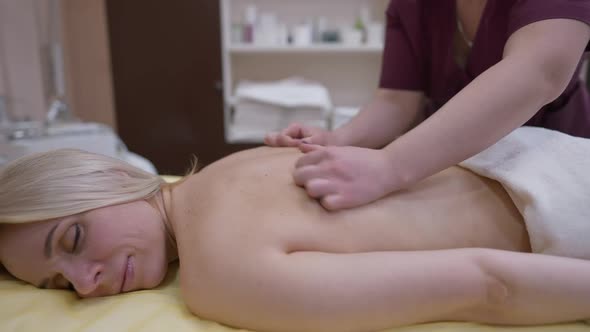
(86, 278)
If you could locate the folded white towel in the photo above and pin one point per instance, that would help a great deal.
(265, 117)
(289, 93)
(547, 175)
(342, 115)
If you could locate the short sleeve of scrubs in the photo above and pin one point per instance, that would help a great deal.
(402, 60)
(525, 12)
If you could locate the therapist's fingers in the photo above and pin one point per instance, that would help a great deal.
(333, 202)
(284, 140)
(278, 139)
(295, 130)
(306, 147)
(312, 157)
(317, 188)
(302, 175)
(270, 139)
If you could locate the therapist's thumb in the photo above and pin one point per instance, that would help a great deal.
(317, 136)
(309, 140)
(308, 147)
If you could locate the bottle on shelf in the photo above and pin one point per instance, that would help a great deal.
(250, 17)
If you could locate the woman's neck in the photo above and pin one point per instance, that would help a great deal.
(163, 203)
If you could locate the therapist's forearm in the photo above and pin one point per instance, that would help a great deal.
(497, 102)
(382, 120)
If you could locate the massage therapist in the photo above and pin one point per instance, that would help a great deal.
(457, 76)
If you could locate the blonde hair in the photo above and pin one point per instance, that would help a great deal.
(65, 182)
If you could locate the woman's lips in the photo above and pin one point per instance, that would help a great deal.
(127, 275)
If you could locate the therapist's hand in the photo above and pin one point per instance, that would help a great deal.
(343, 177)
(293, 135)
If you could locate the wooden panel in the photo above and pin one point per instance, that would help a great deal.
(166, 59)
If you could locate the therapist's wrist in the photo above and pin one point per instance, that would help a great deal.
(401, 174)
(338, 137)
(345, 136)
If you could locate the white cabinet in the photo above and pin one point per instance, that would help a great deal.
(349, 70)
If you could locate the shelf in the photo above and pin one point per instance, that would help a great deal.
(256, 49)
(350, 71)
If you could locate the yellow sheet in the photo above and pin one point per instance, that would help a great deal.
(25, 308)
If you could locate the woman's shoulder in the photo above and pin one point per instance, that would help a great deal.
(258, 151)
(258, 154)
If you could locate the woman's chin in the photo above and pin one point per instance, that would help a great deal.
(155, 277)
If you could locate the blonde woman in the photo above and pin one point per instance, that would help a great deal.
(258, 252)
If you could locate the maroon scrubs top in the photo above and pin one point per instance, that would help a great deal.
(418, 53)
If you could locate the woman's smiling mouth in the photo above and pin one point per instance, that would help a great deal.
(128, 274)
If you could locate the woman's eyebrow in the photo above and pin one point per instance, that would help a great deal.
(48, 242)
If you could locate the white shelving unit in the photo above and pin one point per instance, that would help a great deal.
(350, 73)
(253, 49)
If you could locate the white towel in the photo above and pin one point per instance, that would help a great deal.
(262, 107)
(287, 93)
(547, 175)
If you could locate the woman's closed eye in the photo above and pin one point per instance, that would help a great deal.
(72, 238)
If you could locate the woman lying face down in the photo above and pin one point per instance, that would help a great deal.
(258, 252)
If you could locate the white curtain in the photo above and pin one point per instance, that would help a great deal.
(31, 66)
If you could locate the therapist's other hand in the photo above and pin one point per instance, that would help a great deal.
(295, 133)
(343, 177)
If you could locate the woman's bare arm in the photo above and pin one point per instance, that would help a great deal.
(313, 291)
(539, 289)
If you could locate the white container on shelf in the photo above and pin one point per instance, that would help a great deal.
(302, 35)
(266, 32)
(351, 36)
(375, 33)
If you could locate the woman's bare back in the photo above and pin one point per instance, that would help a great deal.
(256, 251)
(249, 200)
